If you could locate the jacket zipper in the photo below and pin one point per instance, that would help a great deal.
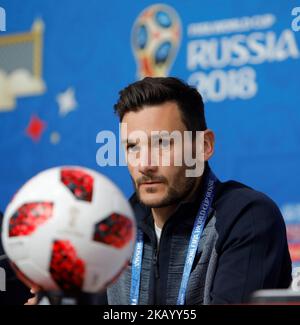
(156, 277)
(155, 264)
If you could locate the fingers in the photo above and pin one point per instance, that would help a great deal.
(32, 301)
(35, 289)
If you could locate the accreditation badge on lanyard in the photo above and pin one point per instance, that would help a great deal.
(192, 249)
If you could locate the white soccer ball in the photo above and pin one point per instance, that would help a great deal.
(69, 229)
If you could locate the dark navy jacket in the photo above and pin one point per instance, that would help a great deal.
(243, 248)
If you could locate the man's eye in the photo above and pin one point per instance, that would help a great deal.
(164, 143)
(133, 148)
(161, 144)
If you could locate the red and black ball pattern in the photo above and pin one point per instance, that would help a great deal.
(116, 230)
(29, 217)
(66, 268)
(79, 183)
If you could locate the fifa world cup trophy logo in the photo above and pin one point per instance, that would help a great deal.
(155, 39)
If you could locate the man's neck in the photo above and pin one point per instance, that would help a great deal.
(161, 215)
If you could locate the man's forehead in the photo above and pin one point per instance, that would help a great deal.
(154, 118)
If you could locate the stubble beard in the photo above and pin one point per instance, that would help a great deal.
(173, 195)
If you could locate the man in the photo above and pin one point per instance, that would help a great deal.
(200, 241)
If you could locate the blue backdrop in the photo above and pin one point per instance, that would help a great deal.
(243, 57)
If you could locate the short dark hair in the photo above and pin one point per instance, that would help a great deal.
(158, 90)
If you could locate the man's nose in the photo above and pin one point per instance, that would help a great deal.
(147, 163)
(148, 169)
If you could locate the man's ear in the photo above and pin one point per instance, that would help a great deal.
(209, 144)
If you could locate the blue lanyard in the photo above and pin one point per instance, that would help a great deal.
(136, 268)
(192, 249)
